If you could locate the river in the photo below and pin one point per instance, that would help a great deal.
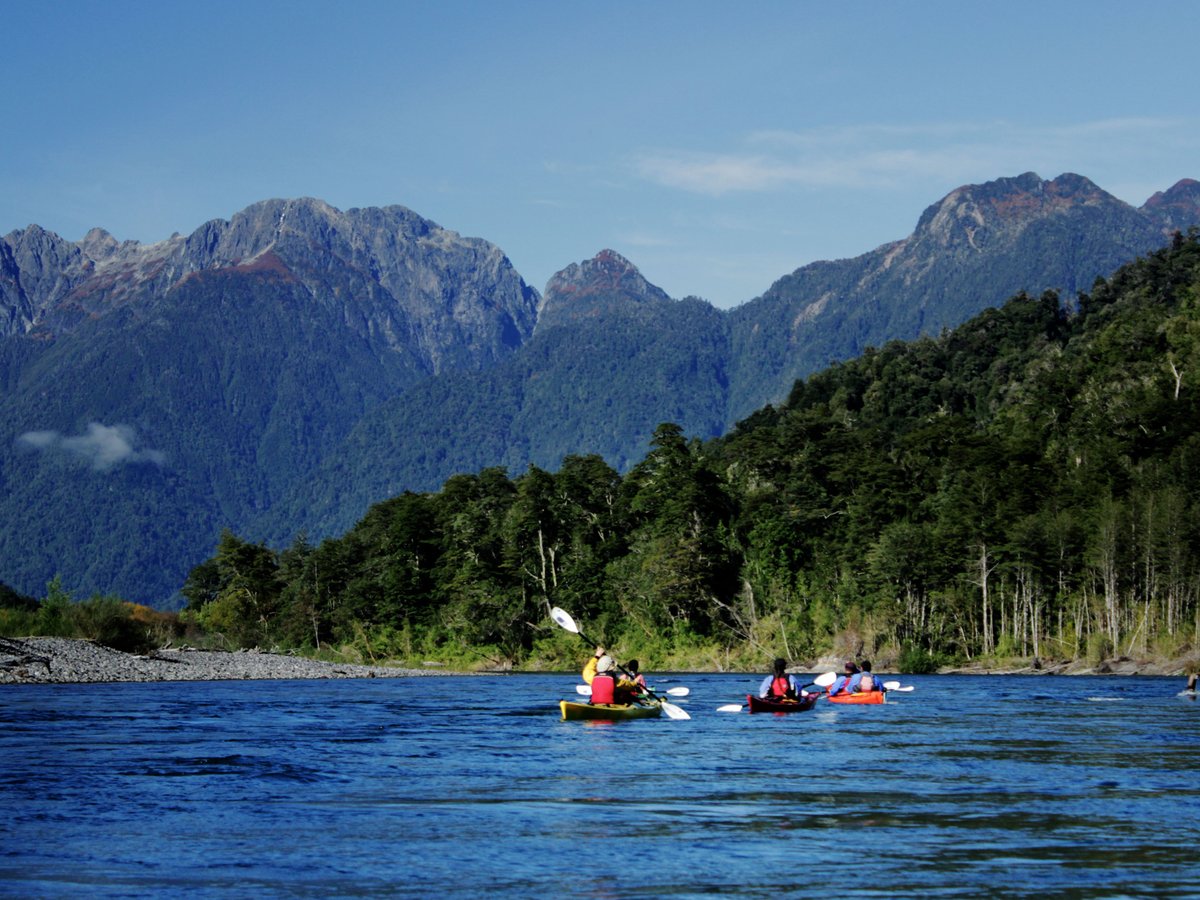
(464, 787)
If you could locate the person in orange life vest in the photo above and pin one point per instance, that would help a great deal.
(842, 684)
(780, 685)
(601, 673)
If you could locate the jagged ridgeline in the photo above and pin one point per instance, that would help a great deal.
(280, 372)
(1026, 484)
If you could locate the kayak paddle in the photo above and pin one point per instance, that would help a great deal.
(563, 620)
(586, 690)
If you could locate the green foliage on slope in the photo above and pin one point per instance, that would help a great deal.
(594, 387)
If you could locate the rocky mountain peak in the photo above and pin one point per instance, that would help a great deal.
(1176, 208)
(400, 281)
(974, 215)
(98, 244)
(605, 283)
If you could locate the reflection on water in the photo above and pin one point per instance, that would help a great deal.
(463, 787)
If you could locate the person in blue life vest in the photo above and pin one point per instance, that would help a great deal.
(842, 684)
(779, 685)
(601, 673)
(864, 681)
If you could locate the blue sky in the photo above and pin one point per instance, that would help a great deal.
(718, 146)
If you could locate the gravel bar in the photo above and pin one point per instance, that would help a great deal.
(47, 660)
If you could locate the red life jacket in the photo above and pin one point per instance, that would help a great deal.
(602, 688)
(781, 686)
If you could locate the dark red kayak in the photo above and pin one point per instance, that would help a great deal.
(758, 704)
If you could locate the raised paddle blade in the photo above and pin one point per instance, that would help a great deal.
(730, 707)
(585, 689)
(825, 680)
(673, 711)
(563, 619)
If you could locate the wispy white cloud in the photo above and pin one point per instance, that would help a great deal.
(889, 156)
(646, 239)
(101, 446)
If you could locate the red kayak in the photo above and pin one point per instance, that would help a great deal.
(865, 697)
(758, 704)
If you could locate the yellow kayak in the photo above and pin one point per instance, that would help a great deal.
(611, 712)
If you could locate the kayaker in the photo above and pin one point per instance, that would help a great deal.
(601, 673)
(865, 681)
(632, 672)
(842, 684)
(779, 685)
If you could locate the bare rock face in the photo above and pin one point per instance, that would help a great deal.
(595, 287)
(1177, 208)
(452, 302)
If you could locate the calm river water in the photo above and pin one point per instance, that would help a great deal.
(462, 787)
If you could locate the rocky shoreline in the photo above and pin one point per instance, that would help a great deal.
(1123, 665)
(48, 660)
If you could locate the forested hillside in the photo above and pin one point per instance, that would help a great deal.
(1025, 485)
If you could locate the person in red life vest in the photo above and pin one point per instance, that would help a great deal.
(842, 685)
(601, 673)
(780, 685)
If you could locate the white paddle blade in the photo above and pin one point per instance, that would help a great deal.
(679, 691)
(730, 707)
(563, 619)
(905, 689)
(584, 689)
(891, 685)
(825, 680)
(673, 711)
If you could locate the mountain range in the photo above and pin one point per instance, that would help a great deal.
(279, 372)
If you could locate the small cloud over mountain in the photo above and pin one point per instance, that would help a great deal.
(102, 446)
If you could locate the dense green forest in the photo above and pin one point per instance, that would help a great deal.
(1026, 485)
